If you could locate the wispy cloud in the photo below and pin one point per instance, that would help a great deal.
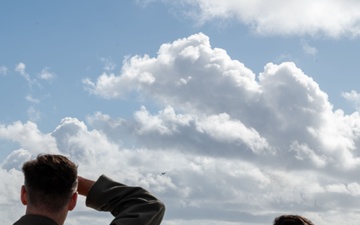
(310, 50)
(33, 114)
(32, 99)
(109, 65)
(20, 68)
(45, 74)
(353, 97)
(3, 70)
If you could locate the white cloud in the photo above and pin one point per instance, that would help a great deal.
(353, 97)
(225, 97)
(280, 17)
(303, 152)
(236, 147)
(16, 159)
(28, 136)
(9, 198)
(299, 147)
(20, 68)
(45, 74)
(222, 128)
(348, 189)
(174, 64)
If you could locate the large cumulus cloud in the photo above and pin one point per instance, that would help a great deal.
(205, 93)
(213, 106)
(216, 142)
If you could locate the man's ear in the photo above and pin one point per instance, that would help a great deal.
(72, 202)
(23, 195)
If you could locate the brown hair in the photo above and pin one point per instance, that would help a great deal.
(292, 220)
(50, 181)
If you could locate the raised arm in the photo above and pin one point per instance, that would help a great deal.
(129, 205)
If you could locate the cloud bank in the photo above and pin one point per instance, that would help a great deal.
(237, 147)
(329, 18)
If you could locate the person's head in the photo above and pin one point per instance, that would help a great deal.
(50, 183)
(292, 220)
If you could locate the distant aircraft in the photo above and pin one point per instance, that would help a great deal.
(163, 173)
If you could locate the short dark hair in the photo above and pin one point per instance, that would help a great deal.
(50, 181)
(292, 220)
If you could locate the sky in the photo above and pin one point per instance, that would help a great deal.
(230, 112)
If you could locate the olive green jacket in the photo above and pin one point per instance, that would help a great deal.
(129, 205)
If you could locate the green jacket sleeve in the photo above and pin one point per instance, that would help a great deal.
(129, 205)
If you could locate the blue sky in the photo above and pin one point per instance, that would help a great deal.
(241, 96)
